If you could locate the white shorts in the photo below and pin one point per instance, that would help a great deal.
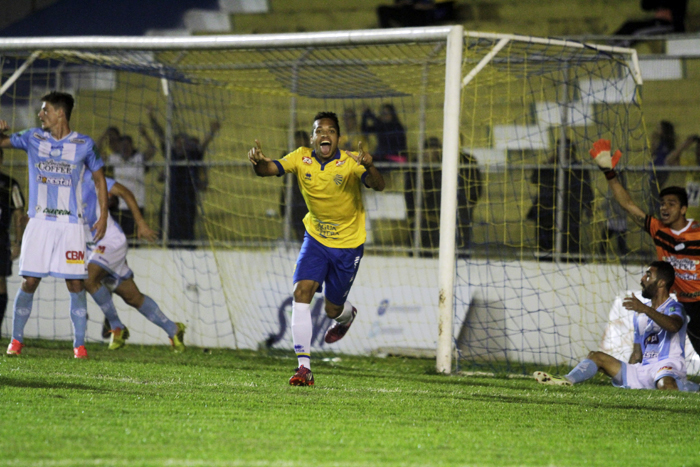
(53, 249)
(110, 254)
(638, 376)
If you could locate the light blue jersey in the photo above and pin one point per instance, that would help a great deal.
(55, 173)
(658, 344)
(91, 205)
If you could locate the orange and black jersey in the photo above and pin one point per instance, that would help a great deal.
(681, 248)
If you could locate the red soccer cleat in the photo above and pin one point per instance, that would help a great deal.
(15, 348)
(338, 331)
(80, 352)
(303, 377)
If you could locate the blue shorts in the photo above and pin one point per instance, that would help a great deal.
(336, 267)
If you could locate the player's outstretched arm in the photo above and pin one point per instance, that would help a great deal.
(100, 227)
(374, 179)
(601, 154)
(143, 229)
(263, 166)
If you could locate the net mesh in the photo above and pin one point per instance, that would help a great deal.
(538, 252)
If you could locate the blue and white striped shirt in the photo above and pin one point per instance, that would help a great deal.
(658, 344)
(55, 173)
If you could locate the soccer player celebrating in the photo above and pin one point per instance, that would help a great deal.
(676, 238)
(54, 240)
(658, 355)
(335, 229)
(107, 267)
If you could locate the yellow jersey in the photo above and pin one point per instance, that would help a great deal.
(333, 194)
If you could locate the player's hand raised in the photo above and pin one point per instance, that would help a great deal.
(4, 126)
(363, 158)
(256, 155)
(601, 154)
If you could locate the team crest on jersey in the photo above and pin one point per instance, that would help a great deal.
(307, 160)
(38, 136)
(307, 176)
(77, 141)
(338, 179)
(653, 339)
(339, 163)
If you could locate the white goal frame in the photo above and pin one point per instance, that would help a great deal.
(455, 81)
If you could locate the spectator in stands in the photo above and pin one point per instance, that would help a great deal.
(128, 168)
(110, 141)
(664, 154)
(692, 184)
(669, 17)
(658, 355)
(469, 189)
(298, 204)
(353, 134)
(409, 13)
(390, 133)
(577, 195)
(615, 224)
(186, 180)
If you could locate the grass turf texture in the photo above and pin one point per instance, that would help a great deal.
(143, 406)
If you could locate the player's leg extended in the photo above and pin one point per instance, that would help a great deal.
(101, 295)
(3, 300)
(132, 296)
(339, 280)
(20, 314)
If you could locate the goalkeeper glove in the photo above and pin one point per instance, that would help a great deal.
(601, 156)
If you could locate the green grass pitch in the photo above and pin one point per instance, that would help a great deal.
(144, 406)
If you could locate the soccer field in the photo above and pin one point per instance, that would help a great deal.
(144, 406)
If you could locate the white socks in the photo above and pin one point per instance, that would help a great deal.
(302, 330)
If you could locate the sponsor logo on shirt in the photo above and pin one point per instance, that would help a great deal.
(38, 136)
(55, 212)
(653, 339)
(77, 141)
(327, 230)
(307, 160)
(338, 179)
(59, 181)
(307, 176)
(55, 167)
(75, 257)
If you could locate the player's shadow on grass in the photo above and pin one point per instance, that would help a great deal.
(38, 384)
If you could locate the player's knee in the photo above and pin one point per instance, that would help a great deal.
(667, 383)
(30, 284)
(597, 357)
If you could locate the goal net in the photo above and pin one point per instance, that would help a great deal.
(526, 250)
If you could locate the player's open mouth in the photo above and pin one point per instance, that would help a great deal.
(325, 148)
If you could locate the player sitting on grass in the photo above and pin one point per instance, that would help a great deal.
(330, 181)
(107, 266)
(658, 356)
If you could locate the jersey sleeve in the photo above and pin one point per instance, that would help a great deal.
(651, 225)
(360, 171)
(675, 309)
(289, 163)
(20, 140)
(93, 160)
(110, 183)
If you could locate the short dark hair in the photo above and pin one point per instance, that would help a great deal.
(665, 272)
(60, 100)
(676, 191)
(331, 116)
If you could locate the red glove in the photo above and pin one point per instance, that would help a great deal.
(601, 156)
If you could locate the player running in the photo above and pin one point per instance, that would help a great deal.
(677, 239)
(53, 243)
(108, 269)
(333, 245)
